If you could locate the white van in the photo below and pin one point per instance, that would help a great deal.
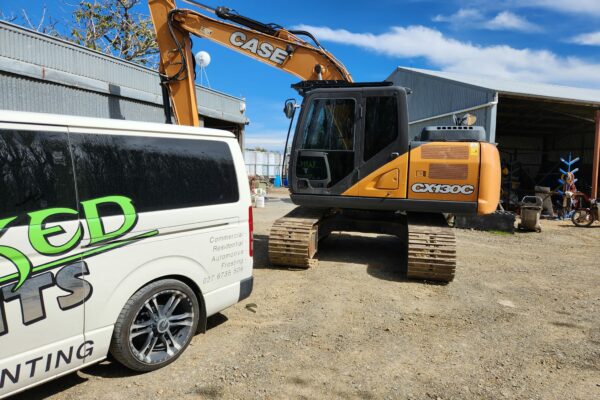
(115, 236)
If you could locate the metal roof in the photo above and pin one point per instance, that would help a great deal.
(62, 66)
(524, 89)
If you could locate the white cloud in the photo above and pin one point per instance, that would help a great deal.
(453, 55)
(588, 39)
(472, 18)
(464, 15)
(588, 7)
(506, 20)
(270, 140)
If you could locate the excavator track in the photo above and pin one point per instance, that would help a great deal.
(431, 251)
(293, 240)
(431, 255)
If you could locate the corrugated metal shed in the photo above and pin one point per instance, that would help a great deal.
(434, 101)
(438, 95)
(534, 124)
(519, 88)
(45, 74)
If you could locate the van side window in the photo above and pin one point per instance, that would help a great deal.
(156, 173)
(35, 173)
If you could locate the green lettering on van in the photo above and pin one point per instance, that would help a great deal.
(20, 261)
(6, 221)
(95, 225)
(39, 234)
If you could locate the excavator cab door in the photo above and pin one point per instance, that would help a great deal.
(383, 155)
(324, 158)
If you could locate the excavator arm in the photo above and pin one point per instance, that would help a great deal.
(271, 44)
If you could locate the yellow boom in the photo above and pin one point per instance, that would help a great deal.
(272, 45)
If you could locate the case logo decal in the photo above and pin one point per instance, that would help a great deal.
(264, 50)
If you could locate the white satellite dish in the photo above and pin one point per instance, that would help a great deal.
(203, 59)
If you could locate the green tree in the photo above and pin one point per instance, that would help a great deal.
(109, 26)
(113, 27)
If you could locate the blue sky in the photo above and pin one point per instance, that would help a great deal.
(554, 41)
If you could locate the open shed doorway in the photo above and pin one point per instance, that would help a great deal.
(236, 129)
(532, 135)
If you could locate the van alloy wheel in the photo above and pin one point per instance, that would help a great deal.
(156, 325)
(161, 327)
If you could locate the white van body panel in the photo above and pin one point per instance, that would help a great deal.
(61, 121)
(48, 362)
(206, 246)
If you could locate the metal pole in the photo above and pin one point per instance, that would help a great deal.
(596, 164)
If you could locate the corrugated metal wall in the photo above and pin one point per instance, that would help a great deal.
(263, 163)
(44, 74)
(25, 94)
(432, 96)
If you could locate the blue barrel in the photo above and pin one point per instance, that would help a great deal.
(278, 181)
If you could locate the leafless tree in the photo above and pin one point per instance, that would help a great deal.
(44, 25)
(7, 18)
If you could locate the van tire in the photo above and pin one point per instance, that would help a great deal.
(153, 326)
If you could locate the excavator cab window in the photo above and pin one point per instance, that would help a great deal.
(327, 142)
(381, 124)
(329, 125)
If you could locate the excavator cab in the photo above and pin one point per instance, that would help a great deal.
(351, 150)
(344, 133)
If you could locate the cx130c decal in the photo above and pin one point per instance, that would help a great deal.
(27, 283)
(438, 188)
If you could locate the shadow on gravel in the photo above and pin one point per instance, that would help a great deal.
(384, 255)
(215, 320)
(282, 199)
(107, 369)
(594, 225)
(51, 388)
(261, 252)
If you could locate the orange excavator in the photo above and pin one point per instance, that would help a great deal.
(352, 164)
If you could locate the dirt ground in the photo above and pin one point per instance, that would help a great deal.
(521, 321)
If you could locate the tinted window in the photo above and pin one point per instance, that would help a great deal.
(156, 173)
(35, 172)
(329, 125)
(381, 124)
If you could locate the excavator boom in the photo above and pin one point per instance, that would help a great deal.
(270, 44)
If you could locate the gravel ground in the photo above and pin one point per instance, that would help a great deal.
(521, 321)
